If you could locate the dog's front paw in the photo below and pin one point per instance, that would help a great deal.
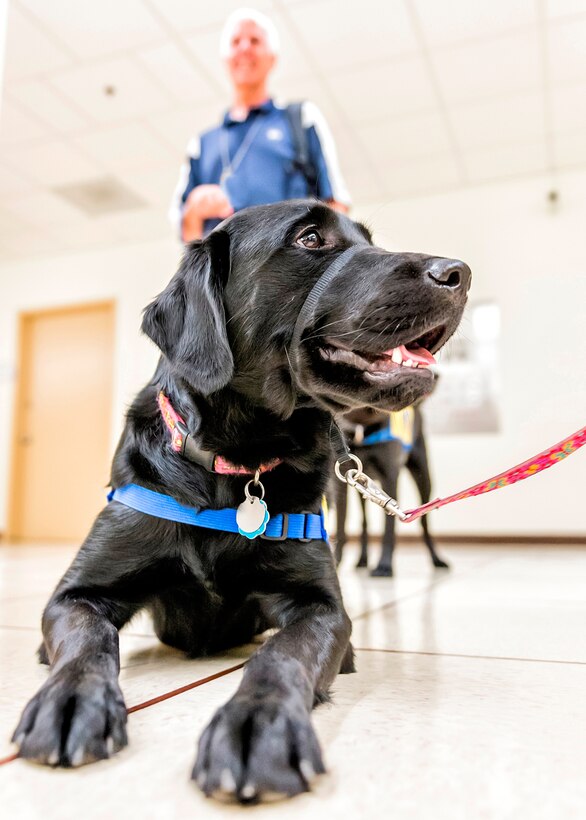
(77, 717)
(257, 749)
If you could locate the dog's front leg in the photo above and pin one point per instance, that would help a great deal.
(262, 742)
(78, 715)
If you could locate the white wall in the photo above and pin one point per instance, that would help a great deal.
(528, 259)
(531, 261)
(129, 274)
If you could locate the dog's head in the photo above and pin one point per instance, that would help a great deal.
(229, 314)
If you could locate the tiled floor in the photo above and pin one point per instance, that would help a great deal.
(469, 701)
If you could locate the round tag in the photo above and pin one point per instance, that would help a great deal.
(252, 517)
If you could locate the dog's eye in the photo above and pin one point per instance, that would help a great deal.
(310, 239)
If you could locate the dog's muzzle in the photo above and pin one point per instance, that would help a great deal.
(308, 307)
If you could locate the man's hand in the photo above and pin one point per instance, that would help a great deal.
(204, 202)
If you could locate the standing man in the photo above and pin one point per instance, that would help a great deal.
(251, 158)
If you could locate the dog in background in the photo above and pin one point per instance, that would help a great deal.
(385, 443)
(284, 315)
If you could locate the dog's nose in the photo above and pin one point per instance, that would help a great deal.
(449, 273)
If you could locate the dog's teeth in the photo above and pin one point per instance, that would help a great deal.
(397, 357)
(248, 791)
(408, 363)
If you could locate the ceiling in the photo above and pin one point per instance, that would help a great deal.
(422, 96)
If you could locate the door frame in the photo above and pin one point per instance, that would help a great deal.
(25, 316)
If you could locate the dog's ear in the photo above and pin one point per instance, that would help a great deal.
(187, 320)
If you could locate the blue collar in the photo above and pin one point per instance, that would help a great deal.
(266, 107)
(301, 526)
(383, 435)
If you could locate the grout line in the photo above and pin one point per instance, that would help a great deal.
(441, 580)
(185, 688)
(463, 655)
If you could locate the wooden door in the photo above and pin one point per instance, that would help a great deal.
(63, 422)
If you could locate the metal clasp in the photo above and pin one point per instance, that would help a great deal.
(356, 478)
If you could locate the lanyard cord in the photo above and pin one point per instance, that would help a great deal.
(229, 166)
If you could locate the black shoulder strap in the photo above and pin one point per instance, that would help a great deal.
(302, 161)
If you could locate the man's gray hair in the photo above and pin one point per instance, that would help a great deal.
(254, 16)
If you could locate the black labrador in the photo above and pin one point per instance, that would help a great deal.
(384, 461)
(246, 392)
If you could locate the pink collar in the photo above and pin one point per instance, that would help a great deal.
(182, 442)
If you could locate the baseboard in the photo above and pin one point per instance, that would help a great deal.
(492, 540)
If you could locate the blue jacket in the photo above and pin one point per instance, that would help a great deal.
(263, 171)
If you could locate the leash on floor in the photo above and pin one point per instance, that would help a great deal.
(355, 477)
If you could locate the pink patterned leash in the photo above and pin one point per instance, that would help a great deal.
(526, 469)
(356, 478)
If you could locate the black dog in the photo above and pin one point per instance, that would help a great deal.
(384, 460)
(247, 392)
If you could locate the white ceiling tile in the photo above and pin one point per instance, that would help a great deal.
(363, 187)
(129, 146)
(12, 183)
(97, 231)
(570, 148)
(11, 222)
(33, 243)
(44, 102)
(28, 50)
(503, 65)
(341, 33)
(500, 120)
(569, 107)
(178, 126)
(458, 20)
(502, 161)
(292, 61)
(396, 88)
(155, 186)
(95, 29)
(135, 93)
(204, 47)
(51, 163)
(307, 88)
(149, 223)
(43, 208)
(425, 175)
(567, 50)
(564, 8)
(183, 81)
(404, 138)
(16, 126)
(188, 16)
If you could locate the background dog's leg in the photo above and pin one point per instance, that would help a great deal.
(363, 559)
(78, 715)
(262, 741)
(418, 466)
(390, 477)
(341, 491)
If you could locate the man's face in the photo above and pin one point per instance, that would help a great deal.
(249, 60)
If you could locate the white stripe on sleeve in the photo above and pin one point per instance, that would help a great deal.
(312, 116)
(175, 213)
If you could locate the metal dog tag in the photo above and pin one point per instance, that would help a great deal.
(252, 517)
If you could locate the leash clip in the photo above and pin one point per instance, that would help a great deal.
(367, 488)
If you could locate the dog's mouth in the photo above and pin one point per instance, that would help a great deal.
(410, 355)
